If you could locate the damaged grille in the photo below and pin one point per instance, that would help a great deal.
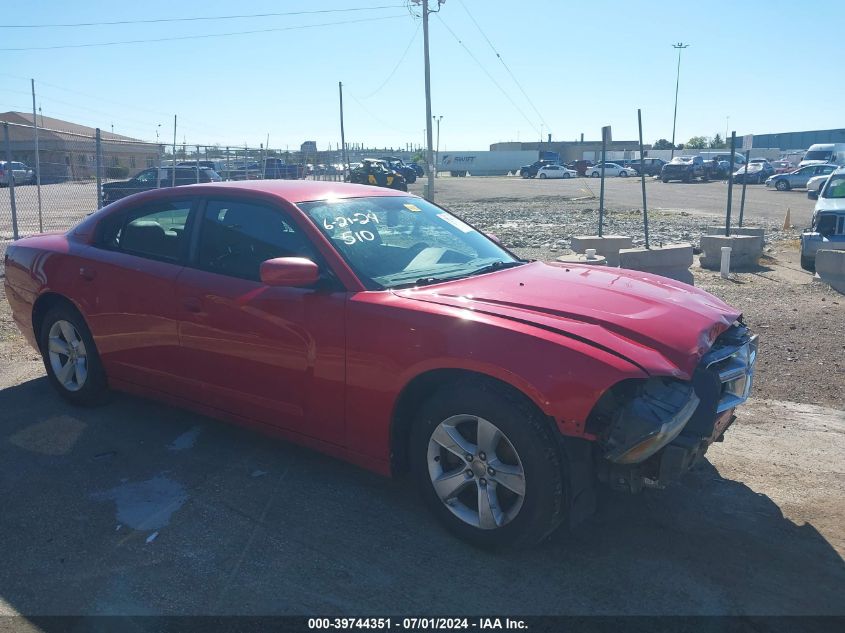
(732, 357)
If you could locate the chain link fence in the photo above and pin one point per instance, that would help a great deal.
(50, 179)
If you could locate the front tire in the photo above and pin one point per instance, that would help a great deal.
(543, 176)
(70, 357)
(782, 185)
(488, 467)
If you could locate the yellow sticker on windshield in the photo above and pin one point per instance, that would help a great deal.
(412, 207)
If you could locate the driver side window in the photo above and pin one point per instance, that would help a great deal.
(236, 237)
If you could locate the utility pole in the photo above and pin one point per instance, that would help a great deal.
(680, 46)
(429, 157)
(342, 135)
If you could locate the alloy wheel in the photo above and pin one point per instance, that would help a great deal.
(68, 356)
(476, 471)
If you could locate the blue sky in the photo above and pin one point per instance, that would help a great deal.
(582, 64)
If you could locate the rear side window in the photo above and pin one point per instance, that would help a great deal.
(236, 237)
(155, 231)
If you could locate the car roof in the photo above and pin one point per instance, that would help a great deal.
(295, 190)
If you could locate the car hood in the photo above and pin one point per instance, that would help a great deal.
(116, 184)
(656, 323)
(830, 204)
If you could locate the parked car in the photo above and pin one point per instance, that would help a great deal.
(376, 172)
(783, 166)
(649, 166)
(530, 171)
(379, 328)
(276, 168)
(216, 165)
(611, 169)
(739, 159)
(418, 169)
(800, 177)
(397, 164)
(579, 166)
(815, 184)
(151, 179)
(21, 174)
(755, 172)
(827, 231)
(686, 169)
(555, 171)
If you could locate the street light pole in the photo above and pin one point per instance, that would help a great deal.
(437, 147)
(680, 46)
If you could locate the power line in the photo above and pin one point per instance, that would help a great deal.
(486, 72)
(197, 19)
(396, 67)
(515, 80)
(205, 36)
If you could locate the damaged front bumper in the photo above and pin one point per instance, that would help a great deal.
(654, 431)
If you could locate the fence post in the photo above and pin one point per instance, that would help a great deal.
(227, 164)
(730, 186)
(642, 177)
(198, 163)
(158, 174)
(99, 171)
(10, 178)
(37, 161)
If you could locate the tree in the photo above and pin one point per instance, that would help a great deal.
(662, 144)
(697, 142)
(717, 142)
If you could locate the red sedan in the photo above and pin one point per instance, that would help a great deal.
(377, 327)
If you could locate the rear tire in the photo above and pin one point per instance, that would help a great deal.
(70, 357)
(664, 179)
(480, 478)
(808, 264)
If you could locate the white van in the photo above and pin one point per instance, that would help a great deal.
(824, 153)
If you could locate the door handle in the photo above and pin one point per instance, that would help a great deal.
(87, 274)
(192, 304)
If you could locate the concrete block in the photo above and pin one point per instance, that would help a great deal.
(735, 230)
(671, 261)
(830, 266)
(745, 251)
(607, 245)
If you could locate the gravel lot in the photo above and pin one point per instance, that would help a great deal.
(134, 507)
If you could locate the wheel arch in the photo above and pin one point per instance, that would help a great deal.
(425, 385)
(43, 304)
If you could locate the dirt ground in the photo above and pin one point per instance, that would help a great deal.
(139, 508)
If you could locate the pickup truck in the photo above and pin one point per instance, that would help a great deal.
(686, 169)
(155, 178)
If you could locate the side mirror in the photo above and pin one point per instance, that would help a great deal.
(291, 272)
(813, 195)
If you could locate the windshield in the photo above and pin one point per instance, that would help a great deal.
(404, 241)
(835, 187)
(818, 155)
